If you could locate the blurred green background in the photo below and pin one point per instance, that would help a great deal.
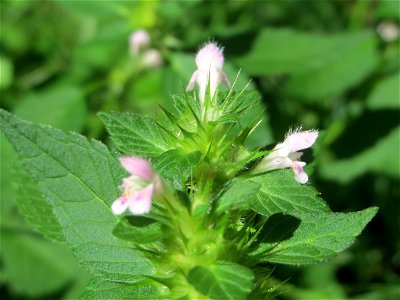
(331, 65)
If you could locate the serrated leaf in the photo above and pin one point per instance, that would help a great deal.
(320, 236)
(99, 288)
(222, 280)
(279, 192)
(386, 94)
(240, 194)
(137, 135)
(80, 180)
(35, 267)
(34, 208)
(175, 166)
(138, 230)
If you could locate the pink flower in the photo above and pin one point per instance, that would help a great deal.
(139, 40)
(286, 155)
(209, 61)
(138, 188)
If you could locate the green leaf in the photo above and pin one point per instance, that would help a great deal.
(278, 51)
(35, 267)
(223, 280)
(380, 158)
(80, 180)
(6, 72)
(61, 106)
(281, 193)
(136, 135)
(385, 94)
(320, 236)
(35, 209)
(358, 58)
(240, 194)
(99, 288)
(138, 230)
(175, 166)
(7, 192)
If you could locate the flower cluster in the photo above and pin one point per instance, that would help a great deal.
(138, 188)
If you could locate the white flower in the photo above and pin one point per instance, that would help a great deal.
(286, 155)
(152, 58)
(139, 40)
(209, 61)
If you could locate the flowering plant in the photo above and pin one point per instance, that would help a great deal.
(201, 215)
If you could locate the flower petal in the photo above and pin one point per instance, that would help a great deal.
(299, 175)
(137, 167)
(299, 140)
(140, 202)
(193, 81)
(120, 205)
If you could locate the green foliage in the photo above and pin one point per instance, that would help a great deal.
(175, 166)
(62, 62)
(138, 230)
(28, 260)
(240, 194)
(67, 167)
(100, 288)
(222, 280)
(316, 71)
(137, 135)
(385, 94)
(62, 107)
(320, 236)
(279, 192)
(35, 209)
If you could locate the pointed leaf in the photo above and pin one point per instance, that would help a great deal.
(223, 280)
(136, 135)
(279, 192)
(175, 166)
(80, 180)
(319, 237)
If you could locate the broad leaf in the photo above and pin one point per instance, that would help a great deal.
(138, 230)
(240, 194)
(279, 192)
(380, 158)
(223, 280)
(175, 166)
(358, 58)
(319, 237)
(35, 209)
(34, 266)
(385, 94)
(137, 135)
(61, 106)
(99, 288)
(80, 180)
